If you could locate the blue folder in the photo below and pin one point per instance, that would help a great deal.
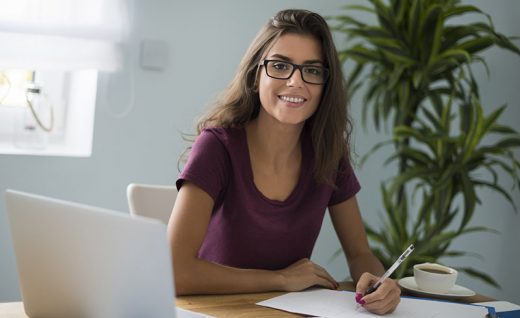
(509, 314)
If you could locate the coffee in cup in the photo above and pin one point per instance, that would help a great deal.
(434, 278)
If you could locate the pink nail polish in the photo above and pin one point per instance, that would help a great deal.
(358, 298)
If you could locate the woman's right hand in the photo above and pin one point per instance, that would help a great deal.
(304, 274)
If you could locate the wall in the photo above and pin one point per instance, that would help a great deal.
(206, 40)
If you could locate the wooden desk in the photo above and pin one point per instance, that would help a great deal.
(243, 305)
(239, 305)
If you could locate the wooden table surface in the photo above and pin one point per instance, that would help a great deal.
(244, 305)
(237, 305)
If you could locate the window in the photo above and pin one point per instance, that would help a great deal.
(55, 117)
(52, 52)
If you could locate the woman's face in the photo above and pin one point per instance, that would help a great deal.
(291, 101)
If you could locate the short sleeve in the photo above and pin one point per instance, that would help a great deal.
(346, 182)
(207, 166)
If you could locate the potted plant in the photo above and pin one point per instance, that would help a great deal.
(415, 68)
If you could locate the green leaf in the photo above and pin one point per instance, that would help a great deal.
(346, 20)
(414, 21)
(372, 150)
(408, 132)
(398, 57)
(433, 120)
(361, 54)
(398, 223)
(395, 76)
(455, 254)
(490, 120)
(436, 100)
(475, 132)
(417, 78)
(354, 75)
(505, 43)
(479, 229)
(460, 10)
(375, 36)
(431, 29)
(480, 275)
(509, 142)
(500, 129)
(499, 189)
(440, 239)
(424, 212)
(460, 55)
(375, 236)
(415, 155)
(476, 45)
(359, 8)
(411, 174)
(383, 15)
(470, 198)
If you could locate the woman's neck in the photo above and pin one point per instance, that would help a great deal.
(276, 144)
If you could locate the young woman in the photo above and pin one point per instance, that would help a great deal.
(269, 158)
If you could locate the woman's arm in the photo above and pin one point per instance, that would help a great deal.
(349, 227)
(364, 267)
(186, 231)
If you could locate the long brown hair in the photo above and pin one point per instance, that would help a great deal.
(330, 125)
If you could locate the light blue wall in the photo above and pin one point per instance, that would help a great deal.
(207, 39)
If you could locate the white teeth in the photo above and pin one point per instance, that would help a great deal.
(292, 99)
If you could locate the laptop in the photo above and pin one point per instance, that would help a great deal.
(76, 260)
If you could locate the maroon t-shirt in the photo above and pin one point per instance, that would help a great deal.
(248, 230)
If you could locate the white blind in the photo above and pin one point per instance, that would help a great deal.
(62, 34)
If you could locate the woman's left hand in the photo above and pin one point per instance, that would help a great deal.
(384, 300)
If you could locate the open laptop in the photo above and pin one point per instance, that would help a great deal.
(76, 260)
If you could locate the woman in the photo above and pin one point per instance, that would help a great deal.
(269, 158)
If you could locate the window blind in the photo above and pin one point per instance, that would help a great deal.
(63, 34)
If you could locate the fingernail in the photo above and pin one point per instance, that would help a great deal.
(358, 298)
(361, 302)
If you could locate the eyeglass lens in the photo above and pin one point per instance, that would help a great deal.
(283, 70)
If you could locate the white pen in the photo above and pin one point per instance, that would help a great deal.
(390, 270)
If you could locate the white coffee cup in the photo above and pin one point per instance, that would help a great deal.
(434, 278)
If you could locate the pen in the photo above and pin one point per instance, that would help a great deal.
(390, 270)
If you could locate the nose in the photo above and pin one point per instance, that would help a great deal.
(296, 80)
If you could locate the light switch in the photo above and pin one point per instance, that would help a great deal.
(154, 55)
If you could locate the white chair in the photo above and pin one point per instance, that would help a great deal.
(153, 201)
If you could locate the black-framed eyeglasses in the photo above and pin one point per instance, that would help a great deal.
(312, 74)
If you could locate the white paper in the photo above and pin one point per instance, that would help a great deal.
(337, 304)
(184, 313)
(500, 305)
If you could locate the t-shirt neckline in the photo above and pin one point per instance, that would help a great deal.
(297, 189)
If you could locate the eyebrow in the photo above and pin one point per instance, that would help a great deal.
(285, 58)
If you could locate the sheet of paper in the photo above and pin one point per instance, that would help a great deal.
(184, 313)
(500, 305)
(338, 304)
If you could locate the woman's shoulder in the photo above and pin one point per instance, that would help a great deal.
(227, 136)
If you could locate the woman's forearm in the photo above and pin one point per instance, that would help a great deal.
(203, 277)
(366, 262)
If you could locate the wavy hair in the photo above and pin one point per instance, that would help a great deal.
(330, 126)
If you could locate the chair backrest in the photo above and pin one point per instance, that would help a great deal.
(153, 201)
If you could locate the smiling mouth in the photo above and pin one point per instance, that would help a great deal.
(296, 100)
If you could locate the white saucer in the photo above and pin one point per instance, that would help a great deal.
(457, 291)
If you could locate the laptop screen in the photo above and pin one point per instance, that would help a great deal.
(76, 260)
